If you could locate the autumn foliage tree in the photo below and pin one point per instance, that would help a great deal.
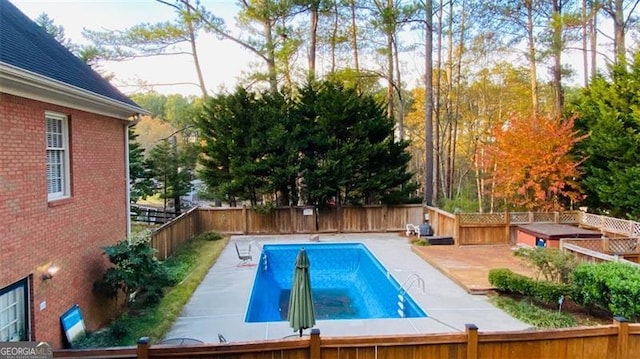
(532, 166)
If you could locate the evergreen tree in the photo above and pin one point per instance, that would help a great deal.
(350, 155)
(139, 173)
(330, 144)
(610, 113)
(168, 166)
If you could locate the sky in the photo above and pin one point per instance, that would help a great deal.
(222, 61)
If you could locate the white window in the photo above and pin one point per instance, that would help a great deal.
(13, 312)
(58, 175)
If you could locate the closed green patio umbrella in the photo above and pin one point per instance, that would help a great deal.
(301, 314)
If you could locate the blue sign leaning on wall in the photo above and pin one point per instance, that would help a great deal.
(72, 323)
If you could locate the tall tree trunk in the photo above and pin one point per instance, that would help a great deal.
(556, 46)
(447, 148)
(398, 80)
(388, 27)
(286, 72)
(619, 31)
(194, 52)
(271, 55)
(428, 83)
(334, 36)
(461, 48)
(593, 40)
(533, 75)
(437, 145)
(313, 38)
(585, 58)
(354, 37)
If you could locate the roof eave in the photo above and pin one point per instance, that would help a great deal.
(18, 82)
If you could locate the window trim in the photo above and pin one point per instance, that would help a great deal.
(26, 297)
(66, 158)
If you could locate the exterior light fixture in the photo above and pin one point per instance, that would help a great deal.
(50, 272)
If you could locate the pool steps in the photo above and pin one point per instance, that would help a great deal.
(408, 283)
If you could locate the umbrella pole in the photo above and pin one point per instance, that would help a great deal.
(300, 332)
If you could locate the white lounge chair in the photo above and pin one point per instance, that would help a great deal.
(244, 256)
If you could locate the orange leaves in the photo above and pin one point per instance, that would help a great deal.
(533, 168)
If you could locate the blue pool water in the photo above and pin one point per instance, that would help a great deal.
(348, 282)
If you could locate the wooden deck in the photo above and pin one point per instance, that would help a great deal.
(469, 265)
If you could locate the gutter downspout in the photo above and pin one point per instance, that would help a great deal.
(126, 170)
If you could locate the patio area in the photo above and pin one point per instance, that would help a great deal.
(469, 266)
(219, 304)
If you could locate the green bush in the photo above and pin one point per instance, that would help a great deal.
(507, 281)
(135, 270)
(504, 280)
(613, 286)
(210, 236)
(550, 263)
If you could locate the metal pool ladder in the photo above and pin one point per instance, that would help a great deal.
(408, 283)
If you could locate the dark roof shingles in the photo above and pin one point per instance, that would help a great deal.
(24, 44)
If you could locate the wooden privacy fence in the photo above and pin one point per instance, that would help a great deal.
(284, 220)
(619, 340)
(465, 228)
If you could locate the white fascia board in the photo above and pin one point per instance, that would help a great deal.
(18, 82)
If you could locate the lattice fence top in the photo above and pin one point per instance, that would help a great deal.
(482, 218)
(569, 217)
(594, 244)
(544, 217)
(611, 225)
(519, 217)
(623, 245)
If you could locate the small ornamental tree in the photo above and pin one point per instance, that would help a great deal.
(135, 269)
(532, 162)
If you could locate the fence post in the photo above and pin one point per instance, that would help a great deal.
(245, 225)
(623, 337)
(472, 341)
(507, 221)
(456, 229)
(292, 218)
(142, 351)
(314, 344)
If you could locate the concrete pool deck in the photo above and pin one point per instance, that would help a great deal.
(219, 304)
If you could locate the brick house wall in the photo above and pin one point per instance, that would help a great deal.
(68, 233)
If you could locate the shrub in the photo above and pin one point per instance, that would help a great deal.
(613, 286)
(550, 263)
(504, 280)
(210, 236)
(135, 269)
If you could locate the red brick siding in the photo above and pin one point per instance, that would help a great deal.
(69, 233)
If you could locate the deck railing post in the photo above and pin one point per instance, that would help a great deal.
(142, 351)
(472, 341)
(623, 337)
(314, 344)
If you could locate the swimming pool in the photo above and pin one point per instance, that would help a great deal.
(348, 282)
